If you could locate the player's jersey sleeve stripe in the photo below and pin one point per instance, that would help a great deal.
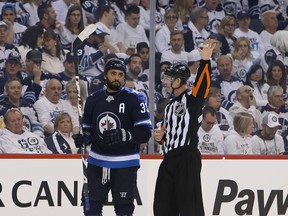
(196, 88)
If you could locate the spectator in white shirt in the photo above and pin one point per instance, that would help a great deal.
(199, 20)
(268, 141)
(244, 20)
(107, 15)
(210, 136)
(270, 23)
(131, 33)
(14, 139)
(48, 106)
(238, 140)
(162, 38)
(175, 54)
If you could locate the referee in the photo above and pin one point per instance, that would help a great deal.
(178, 186)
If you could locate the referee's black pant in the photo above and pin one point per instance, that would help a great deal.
(178, 186)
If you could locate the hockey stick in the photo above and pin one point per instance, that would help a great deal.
(81, 37)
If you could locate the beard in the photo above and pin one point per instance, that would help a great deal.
(136, 71)
(114, 87)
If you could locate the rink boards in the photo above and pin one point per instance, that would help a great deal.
(33, 185)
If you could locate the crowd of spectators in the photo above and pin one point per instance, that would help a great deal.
(247, 100)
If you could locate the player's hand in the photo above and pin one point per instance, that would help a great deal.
(82, 139)
(159, 133)
(207, 49)
(116, 136)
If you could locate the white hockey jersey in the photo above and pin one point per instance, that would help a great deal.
(25, 143)
(211, 142)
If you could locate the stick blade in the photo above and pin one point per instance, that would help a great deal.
(87, 32)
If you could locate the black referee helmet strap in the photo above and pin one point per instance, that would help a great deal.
(178, 71)
(115, 64)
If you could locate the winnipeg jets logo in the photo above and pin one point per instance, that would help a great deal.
(109, 98)
(108, 121)
(180, 109)
(206, 137)
(32, 141)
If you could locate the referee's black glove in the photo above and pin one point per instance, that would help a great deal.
(82, 139)
(116, 136)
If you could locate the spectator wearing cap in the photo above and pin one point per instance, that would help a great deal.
(13, 70)
(8, 13)
(53, 53)
(270, 23)
(267, 141)
(276, 104)
(162, 38)
(34, 70)
(5, 48)
(90, 54)
(22, 16)
(244, 20)
(131, 32)
(215, 13)
(32, 38)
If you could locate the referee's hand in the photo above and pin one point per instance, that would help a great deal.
(159, 133)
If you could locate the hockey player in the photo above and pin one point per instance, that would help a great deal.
(119, 121)
(178, 186)
(14, 139)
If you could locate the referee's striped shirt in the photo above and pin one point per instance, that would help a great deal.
(181, 114)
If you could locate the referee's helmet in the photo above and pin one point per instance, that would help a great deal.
(115, 64)
(178, 71)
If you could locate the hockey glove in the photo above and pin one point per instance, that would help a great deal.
(82, 139)
(116, 136)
